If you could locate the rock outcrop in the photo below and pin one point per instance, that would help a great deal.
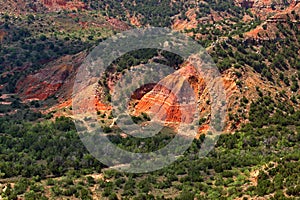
(171, 99)
(54, 80)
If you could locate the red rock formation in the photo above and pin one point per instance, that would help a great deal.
(169, 100)
(44, 83)
(55, 79)
(139, 93)
(100, 106)
(55, 5)
(161, 103)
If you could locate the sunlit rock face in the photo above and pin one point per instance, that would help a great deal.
(173, 99)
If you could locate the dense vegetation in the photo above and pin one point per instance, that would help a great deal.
(279, 52)
(268, 146)
(43, 149)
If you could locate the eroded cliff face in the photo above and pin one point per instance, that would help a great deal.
(176, 105)
(158, 101)
(163, 104)
(54, 80)
(170, 100)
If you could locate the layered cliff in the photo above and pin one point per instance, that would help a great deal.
(55, 80)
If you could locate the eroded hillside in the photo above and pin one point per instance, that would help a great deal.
(254, 44)
(48, 57)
